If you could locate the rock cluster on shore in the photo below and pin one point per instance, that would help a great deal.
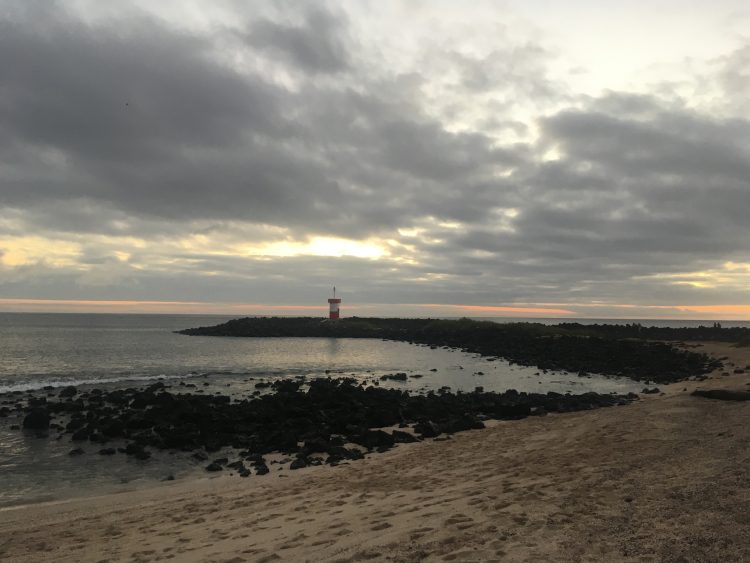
(547, 347)
(321, 421)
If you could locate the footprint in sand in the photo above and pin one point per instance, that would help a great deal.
(465, 555)
(419, 533)
(367, 555)
(323, 542)
(459, 519)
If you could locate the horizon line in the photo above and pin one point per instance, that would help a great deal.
(524, 310)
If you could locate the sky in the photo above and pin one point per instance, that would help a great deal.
(546, 158)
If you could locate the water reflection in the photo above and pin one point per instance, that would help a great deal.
(333, 346)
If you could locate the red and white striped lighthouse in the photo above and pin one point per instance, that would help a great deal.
(333, 306)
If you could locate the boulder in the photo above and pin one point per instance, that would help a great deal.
(137, 451)
(461, 423)
(37, 419)
(255, 459)
(722, 394)
(371, 439)
(299, 463)
(68, 391)
(427, 429)
(403, 437)
(394, 377)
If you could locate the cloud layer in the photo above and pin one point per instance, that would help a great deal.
(272, 151)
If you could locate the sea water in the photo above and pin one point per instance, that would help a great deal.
(43, 352)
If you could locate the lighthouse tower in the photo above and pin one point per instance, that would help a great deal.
(333, 306)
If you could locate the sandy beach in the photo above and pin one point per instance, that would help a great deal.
(664, 479)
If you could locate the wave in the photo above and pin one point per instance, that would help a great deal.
(37, 384)
(40, 382)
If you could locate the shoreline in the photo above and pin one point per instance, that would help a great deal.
(661, 479)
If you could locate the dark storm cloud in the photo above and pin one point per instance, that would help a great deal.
(665, 144)
(147, 120)
(315, 45)
(134, 93)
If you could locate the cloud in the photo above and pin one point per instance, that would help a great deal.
(144, 159)
(315, 45)
(151, 122)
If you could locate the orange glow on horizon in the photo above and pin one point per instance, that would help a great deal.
(563, 310)
(731, 309)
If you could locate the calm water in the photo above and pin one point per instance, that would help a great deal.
(106, 351)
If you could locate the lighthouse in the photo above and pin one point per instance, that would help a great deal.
(333, 306)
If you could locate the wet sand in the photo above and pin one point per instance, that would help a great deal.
(664, 479)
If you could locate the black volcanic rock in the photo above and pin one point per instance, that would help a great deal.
(318, 418)
(427, 429)
(79, 435)
(372, 439)
(605, 349)
(394, 377)
(299, 463)
(37, 419)
(403, 437)
(722, 394)
(69, 391)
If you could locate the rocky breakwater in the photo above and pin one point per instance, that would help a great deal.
(321, 421)
(546, 347)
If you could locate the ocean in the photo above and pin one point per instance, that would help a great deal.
(43, 352)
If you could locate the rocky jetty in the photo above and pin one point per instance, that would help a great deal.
(723, 394)
(713, 333)
(561, 347)
(321, 421)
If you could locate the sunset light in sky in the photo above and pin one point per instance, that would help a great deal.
(519, 158)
